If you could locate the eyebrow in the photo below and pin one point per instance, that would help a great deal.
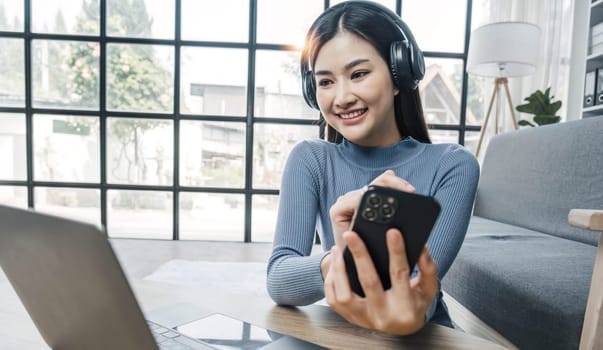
(348, 66)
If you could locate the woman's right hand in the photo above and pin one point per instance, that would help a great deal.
(342, 211)
(399, 310)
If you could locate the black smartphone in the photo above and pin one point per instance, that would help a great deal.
(380, 209)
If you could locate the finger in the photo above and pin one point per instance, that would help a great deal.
(342, 211)
(365, 268)
(345, 206)
(329, 284)
(399, 271)
(343, 294)
(389, 179)
(428, 275)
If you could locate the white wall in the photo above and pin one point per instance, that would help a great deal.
(578, 59)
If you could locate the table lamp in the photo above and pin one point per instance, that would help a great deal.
(502, 50)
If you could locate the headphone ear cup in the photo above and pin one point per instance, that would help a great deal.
(407, 64)
(400, 65)
(417, 64)
(309, 89)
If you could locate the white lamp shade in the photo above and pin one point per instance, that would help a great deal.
(504, 49)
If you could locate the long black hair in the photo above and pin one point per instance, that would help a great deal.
(380, 27)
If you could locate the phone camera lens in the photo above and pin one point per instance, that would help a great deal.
(387, 211)
(374, 200)
(369, 214)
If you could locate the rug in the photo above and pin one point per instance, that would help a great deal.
(236, 277)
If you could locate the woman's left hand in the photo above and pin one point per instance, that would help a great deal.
(398, 310)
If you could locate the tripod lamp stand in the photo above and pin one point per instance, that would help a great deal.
(502, 50)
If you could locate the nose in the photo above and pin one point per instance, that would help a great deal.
(344, 96)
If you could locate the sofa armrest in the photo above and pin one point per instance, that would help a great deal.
(592, 328)
(586, 218)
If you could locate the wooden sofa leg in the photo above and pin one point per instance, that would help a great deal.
(592, 328)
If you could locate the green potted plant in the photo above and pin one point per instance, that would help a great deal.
(541, 105)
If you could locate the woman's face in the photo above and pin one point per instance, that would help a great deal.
(355, 92)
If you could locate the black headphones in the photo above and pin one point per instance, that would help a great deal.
(407, 65)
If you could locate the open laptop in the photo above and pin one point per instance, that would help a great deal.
(69, 280)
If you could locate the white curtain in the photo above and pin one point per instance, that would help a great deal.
(555, 20)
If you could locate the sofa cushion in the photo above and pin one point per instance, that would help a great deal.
(534, 176)
(530, 287)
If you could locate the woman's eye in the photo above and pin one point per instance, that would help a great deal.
(324, 82)
(359, 74)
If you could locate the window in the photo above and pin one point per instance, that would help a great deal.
(173, 119)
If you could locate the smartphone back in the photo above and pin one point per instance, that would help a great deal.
(383, 208)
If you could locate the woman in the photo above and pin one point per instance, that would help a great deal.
(360, 68)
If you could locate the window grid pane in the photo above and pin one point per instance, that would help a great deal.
(65, 17)
(290, 25)
(12, 147)
(150, 19)
(263, 218)
(139, 214)
(441, 91)
(80, 204)
(215, 20)
(14, 196)
(212, 154)
(278, 86)
(140, 78)
(65, 74)
(214, 217)
(12, 71)
(272, 144)
(66, 148)
(140, 151)
(437, 25)
(210, 91)
(12, 17)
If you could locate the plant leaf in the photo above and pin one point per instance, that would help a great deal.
(524, 122)
(543, 119)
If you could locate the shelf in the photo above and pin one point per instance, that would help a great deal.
(598, 3)
(595, 57)
(592, 111)
(594, 61)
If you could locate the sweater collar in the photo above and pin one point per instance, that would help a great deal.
(381, 157)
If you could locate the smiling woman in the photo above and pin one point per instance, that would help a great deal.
(361, 67)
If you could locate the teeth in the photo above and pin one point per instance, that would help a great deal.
(353, 114)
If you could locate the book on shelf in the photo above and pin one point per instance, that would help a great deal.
(596, 39)
(599, 89)
(596, 29)
(590, 84)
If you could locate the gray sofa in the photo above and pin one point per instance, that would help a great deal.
(523, 269)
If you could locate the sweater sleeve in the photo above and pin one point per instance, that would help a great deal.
(294, 276)
(455, 187)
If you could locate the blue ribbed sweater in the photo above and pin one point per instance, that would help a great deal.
(317, 172)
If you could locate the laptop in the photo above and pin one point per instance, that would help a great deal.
(69, 280)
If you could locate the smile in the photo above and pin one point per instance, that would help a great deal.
(353, 114)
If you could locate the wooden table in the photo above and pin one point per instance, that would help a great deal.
(315, 323)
